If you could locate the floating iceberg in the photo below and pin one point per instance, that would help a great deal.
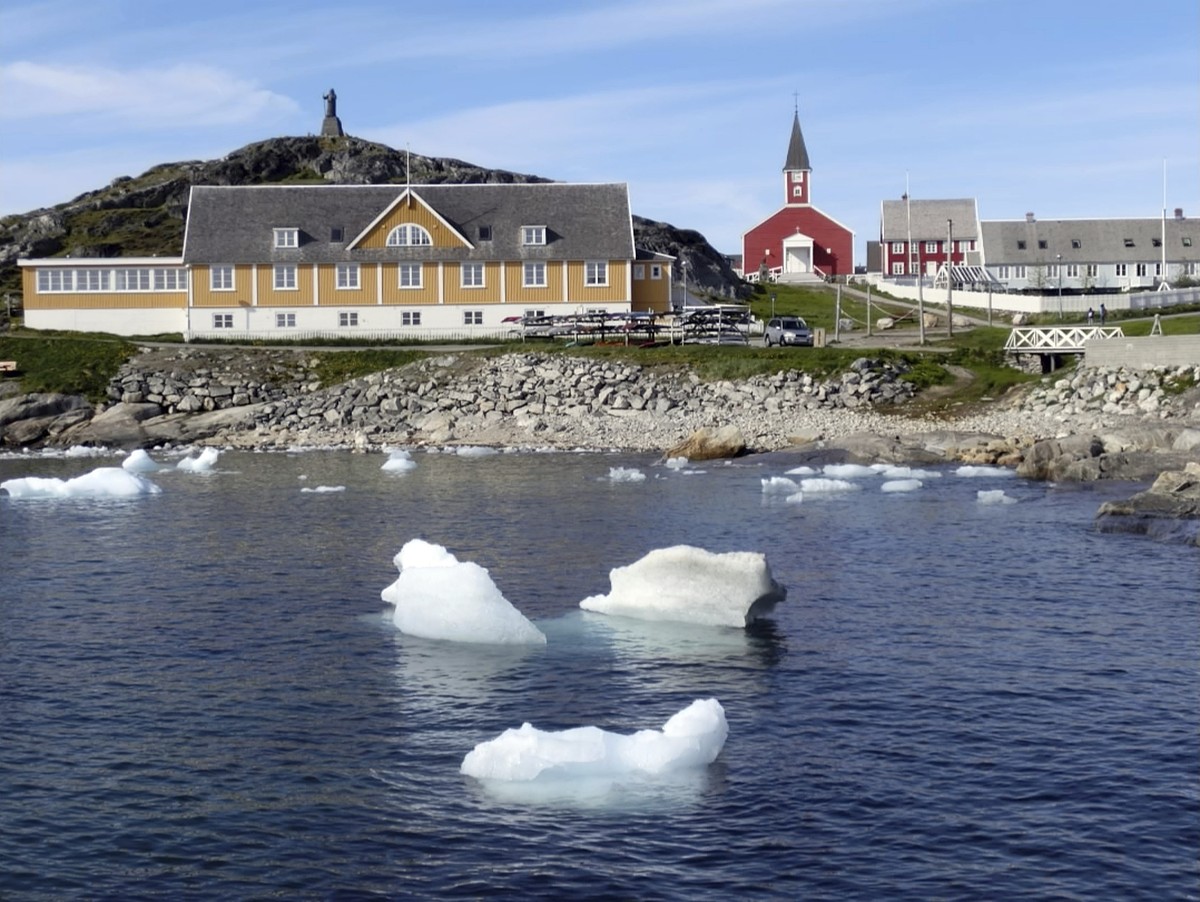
(474, 451)
(625, 474)
(399, 462)
(801, 471)
(893, 471)
(104, 482)
(323, 489)
(819, 484)
(140, 462)
(774, 485)
(995, 496)
(847, 471)
(692, 738)
(901, 485)
(439, 597)
(984, 471)
(693, 586)
(202, 464)
(676, 463)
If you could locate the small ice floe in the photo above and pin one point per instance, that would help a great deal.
(691, 585)
(994, 496)
(675, 463)
(818, 484)
(399, 461)
(78, 451)
(892, 471)
(690, 739)
(439, 597)
(140, 462)
(779, 485)
(202, 464)
(901, 485)
(474, 451)
(104, 482)
(625, 474)
(847, 471)
(801, 471)
(324, 489)
(977, 471)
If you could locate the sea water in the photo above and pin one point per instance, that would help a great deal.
(967, 693)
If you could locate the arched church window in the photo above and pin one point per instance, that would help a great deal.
(408, 234)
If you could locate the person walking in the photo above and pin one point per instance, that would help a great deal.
(1091, 315)
(1103, 314)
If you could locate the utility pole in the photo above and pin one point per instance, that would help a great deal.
(949, 278)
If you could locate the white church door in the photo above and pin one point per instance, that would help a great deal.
(797, 253)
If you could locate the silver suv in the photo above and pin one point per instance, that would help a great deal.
(788, 330)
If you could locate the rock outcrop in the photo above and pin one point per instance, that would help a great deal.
(1169, 510)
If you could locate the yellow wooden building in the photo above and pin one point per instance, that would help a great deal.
(429, 261)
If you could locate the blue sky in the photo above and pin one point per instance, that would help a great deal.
(1068, 108)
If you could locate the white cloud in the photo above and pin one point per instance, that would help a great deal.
(181, 95)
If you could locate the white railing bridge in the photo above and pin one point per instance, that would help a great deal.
(1056, 339)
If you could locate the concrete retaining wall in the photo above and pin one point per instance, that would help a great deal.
(1143, 353)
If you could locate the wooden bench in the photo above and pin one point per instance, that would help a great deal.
(8, 366)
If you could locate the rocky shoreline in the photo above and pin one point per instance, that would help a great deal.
(1093, 424)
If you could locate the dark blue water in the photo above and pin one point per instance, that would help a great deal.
(201, 696)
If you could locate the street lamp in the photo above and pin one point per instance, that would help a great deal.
(772, 305)
(1058, 257)
(683, 279)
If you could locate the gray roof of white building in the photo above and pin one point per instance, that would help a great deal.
(928, 219)
(1037, 241)
(234, 224)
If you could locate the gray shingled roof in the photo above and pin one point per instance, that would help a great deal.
(1100, 241)
(797, 155)
(929, 219)
(233, 224)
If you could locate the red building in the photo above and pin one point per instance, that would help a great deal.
(798, 242)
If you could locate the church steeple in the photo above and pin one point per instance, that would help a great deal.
(797, 170)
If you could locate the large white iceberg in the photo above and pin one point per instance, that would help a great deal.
(399, 461)
(691, 585)
(104, 482)
(140, 462)
(439, 597)
(692, 738)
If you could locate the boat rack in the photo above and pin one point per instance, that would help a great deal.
(724, 324)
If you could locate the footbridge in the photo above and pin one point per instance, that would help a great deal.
(1052, 342)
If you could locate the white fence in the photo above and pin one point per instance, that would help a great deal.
(1074, 304)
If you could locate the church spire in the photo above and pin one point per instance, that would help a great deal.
(797, 171)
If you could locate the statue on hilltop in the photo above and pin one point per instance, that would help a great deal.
(331, 126)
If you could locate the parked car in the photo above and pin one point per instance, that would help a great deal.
(787, 330)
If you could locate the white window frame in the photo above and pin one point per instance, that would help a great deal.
(222, 320)
(409, 276)
(1139, 270)
(1019, 272)
(1158, 269)
(897, 247)
(221, 278)
(595, 273)
(472, 317)
(347, 318)
(639, 272)
(347, 277)
(532, 235)
(1122, 269)
(656, 271)
(897, 268)
(798, 190)
(471, 275)
(170, 280)
(534, 314)
(931, 247)
(1093, 270)
(287, 237)
(409, 234)
(285, 321)
(284, 277)
(1002, 272)
(1072, 270)
(1053, 271)
(410, 318)
(534, 274)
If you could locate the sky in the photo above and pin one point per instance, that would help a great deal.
(1064, 108)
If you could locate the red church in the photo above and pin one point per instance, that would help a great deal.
(798, 243)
